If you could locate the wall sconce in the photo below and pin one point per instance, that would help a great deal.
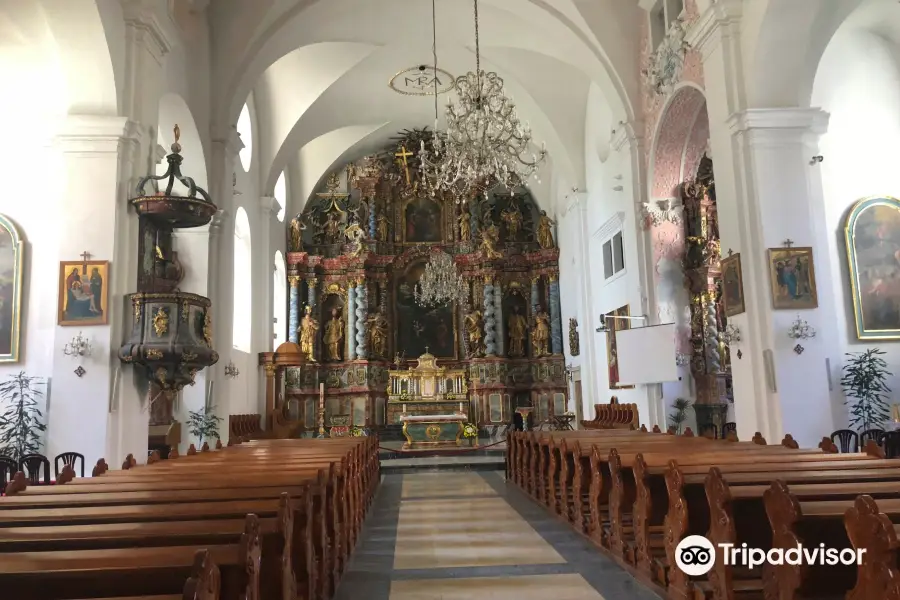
(800, 330)
(79, 347)
(731, 335)
(682, 359)
(231, 371)
(570, 372)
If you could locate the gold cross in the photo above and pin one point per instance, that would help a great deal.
(402, 155)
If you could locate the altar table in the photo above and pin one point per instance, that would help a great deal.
(432, 431)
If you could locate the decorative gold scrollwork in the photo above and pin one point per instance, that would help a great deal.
(136, 304)
(153, 354)
(185, 311)
(433, 432)
(161, 322)
(188, 357)
(207, 327)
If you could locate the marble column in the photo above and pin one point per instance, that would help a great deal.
(311, 291)
(372, 218)
(556, 341)
(535, 304)
(350, 352)
(501, 323)
(294, 319)
(362, 313)
(311, 283)
(490, 322)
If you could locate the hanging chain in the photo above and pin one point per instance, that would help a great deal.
(434, 55)
(477, 53)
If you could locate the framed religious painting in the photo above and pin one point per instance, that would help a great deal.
(83, 293)
(732, 285)
(793, 278)
(612, 353)
(872, 236)
(12, 252)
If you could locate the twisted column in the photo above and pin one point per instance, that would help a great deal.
(294, 318)
(501, 324)
(490, 323)
(362, 313)
(350, 340)
(556, 341)
(535, 291)
(372, 218)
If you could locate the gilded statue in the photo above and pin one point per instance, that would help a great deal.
(308, 328)
(489, 241)
(545, 231)
(332, 228)
(334, 336)
(381, 227)
(513, 218)
(465, 226)
(540, 335)
(355, 234)
(518, 331)
(377, 334)
(296, 240)
(474, 333)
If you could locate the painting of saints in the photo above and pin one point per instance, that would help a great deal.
(873, 249)
(83, 293)
(420, 327)
(10, 290)
(422, 221)
(793, 278)
(732, 285)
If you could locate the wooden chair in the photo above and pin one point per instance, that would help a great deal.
(891, 444)
(847, 440)
(710, 431)
(32, 465)
(728, 428)
(68, 458)
(871, 434)
(8, 468)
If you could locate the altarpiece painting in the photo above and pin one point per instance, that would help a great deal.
(612, 355)
(12, 250)
(419, 327)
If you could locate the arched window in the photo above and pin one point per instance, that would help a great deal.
(245, 130)
(281, 195)
(242, 288)
(279, 300)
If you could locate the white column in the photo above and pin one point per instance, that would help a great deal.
(263, 307)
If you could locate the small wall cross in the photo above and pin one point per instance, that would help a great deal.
(788, 243)
(730, 252)
(85, 256)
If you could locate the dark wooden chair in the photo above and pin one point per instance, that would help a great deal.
(871, 434)
(710, 431)
(8, 468)
(36, 468)
(68, 458)
(728, 428)
(891, 444)
(846, 440)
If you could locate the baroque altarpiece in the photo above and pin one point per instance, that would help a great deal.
(355, 256)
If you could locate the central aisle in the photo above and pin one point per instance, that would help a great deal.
(455, 536)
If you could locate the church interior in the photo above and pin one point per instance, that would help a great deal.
(496, 298)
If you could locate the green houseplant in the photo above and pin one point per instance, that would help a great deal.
(678, 417)
(864, 385)
(204, 424)
(21, 419)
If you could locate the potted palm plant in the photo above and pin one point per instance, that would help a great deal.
(864, 385)
(204, 424)
(21, 419)
(679, 415)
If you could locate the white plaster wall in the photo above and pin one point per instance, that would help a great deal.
(858, 83)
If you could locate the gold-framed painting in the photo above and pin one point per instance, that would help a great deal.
(732, 285)
(872, 237)
(612, 352)
(83, 293)
(12, 253)
(793, 278)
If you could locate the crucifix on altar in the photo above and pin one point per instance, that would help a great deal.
(401, 161)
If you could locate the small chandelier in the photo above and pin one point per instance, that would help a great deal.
(485, 143)
(79, 346)
(440, 283)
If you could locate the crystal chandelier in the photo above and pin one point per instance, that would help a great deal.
(485, 144)
(440, 283)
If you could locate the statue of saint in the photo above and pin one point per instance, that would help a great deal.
(545, 231)
(489, 241)
(513, 218)
(377, 333)
(540, 335)
(381, 227)
(296, 240)
(355, 235)
(308, 328)
(518, 330)
(475, 332)
(465, 226)
(332, 228)
(334, 335)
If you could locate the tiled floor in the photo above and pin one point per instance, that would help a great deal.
(454, 536)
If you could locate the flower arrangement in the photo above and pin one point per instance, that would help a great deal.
(450, 396)
(404, 396)
(357, 431)
(470, 430)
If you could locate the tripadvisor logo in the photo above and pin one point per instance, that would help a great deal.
(695, 555)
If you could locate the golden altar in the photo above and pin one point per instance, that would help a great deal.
(426, 389)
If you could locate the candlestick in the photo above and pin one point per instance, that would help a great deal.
(321, 410)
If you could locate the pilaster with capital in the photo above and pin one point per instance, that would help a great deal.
(501, 323)
(362, 314)
(556, 339)
(350, 342)
(294, 319)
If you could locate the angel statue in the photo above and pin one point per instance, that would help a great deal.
(355, 235)
(545, 231)
(296, 239)
(489, 241)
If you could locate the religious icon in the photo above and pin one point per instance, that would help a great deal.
(512, 216)
(540, 335)
(296, 234)
(12, 249)
(518, 331)
(465, 225)
(83, 292)
(334, 336)
(381, 227)
(732, 285)
(474, 333)
(793, 278)
(377, 335)
(422, 218)
(308, 328)
(489, 241)
(545, 231)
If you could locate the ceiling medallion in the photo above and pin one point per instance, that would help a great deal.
(422, 80)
